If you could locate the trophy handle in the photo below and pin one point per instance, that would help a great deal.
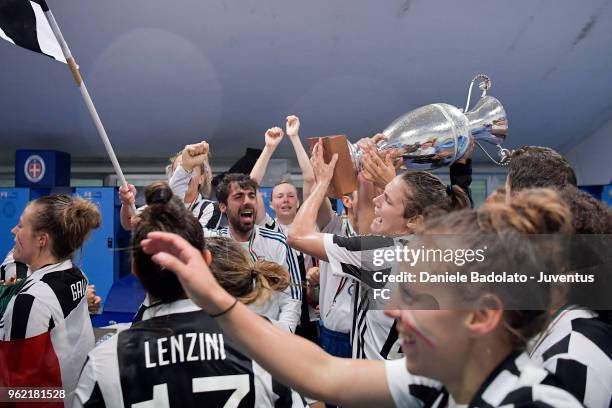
(504, 154)
(484, 87)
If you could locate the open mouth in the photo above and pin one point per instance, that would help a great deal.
(377, 220)
(246, 215)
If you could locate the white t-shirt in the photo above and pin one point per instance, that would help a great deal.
(336, 290)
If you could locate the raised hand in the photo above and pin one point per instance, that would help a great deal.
(273, 137)
(293, 126)
(374, 169)
(324, 172)
(127, 195)
(369, 141)
(194, 155)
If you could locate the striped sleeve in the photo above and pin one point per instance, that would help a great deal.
(29, 317)
(582, 361)
(179, 182)
(99, 383)
(209, 214)
(284, 256)
(409, 390)
(88, 393)
(352, 256)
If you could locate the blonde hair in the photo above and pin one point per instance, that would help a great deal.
(205, 170)
(248, 281)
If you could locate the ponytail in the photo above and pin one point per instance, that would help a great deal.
(68, 221)
(243, 279)
(268, 276)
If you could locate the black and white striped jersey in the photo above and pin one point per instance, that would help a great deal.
(177, 356)
(207, 212)
(577, 347)
(12, 269)
(53, 299)
(272, 246)
(336, 290)
(516, 382)
(373, 334)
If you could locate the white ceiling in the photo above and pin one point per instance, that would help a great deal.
(166, 73)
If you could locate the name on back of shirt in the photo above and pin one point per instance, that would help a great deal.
(78, 289)
(184, 347)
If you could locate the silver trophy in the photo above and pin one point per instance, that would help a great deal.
(439, 134)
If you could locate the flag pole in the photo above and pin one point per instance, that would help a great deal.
(86, 97)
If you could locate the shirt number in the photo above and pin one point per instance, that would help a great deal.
(239, 383)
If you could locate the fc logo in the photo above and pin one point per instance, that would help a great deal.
(34, 168)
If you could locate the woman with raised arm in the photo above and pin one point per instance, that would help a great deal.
(177, 354)
(50, 308)
(472, 356)
(285, 202)
(397, 212)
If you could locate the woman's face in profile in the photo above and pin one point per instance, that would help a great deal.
(26, 242)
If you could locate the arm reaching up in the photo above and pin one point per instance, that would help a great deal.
(192, 156)
(303, 234)
(375, 169)
(292, 127)
(273, 137)
(127, 196)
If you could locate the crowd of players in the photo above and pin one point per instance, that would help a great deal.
(246, 310)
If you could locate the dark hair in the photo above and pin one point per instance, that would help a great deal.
(501, 228)
(68, 220)
(589, 215)
(537, 166)
(426, 194)
(245, 182)
(164, 212)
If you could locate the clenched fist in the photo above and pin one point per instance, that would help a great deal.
(194, 155)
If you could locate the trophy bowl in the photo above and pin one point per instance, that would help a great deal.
(439, 134)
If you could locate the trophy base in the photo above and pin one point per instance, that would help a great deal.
(344, 180)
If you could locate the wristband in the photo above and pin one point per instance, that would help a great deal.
(214, 316)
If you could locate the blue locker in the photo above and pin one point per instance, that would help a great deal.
(266, 193)
(606, 195)
(97, 258)
(12, 203)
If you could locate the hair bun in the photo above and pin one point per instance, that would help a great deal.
(158, 193)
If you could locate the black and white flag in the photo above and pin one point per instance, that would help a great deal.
(23, 23)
